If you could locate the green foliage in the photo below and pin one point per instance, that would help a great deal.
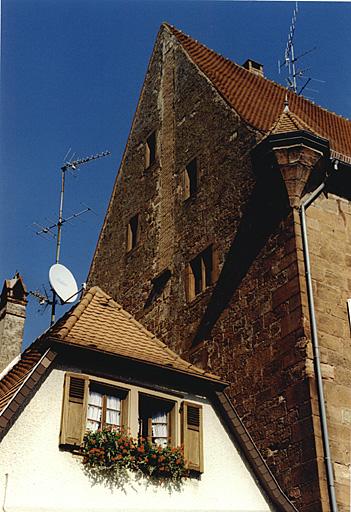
(115, 449)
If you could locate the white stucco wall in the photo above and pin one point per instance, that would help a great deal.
(43, 478)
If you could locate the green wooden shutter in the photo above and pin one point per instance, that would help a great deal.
(74, 410)
(192, 435)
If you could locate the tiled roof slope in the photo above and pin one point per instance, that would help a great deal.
(15, 377)
(99, 323)
(260, 101)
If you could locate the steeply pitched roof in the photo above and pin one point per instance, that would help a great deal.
(260, 101)
(99, 323)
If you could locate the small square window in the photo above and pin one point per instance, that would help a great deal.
(156, 420)
(190, 179)
(201, 272)
(133, 233)
(150, 150)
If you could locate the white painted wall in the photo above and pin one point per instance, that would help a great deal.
(42, 478)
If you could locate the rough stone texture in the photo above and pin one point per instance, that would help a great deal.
(12, 318)
(329, 234)
(251, 327)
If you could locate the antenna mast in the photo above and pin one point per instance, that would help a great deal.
(72, 165)
(289, 55)
(290, 60)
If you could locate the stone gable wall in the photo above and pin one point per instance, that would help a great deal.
(251, 327)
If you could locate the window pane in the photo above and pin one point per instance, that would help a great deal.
(113, 408)
(94, 410)
(160, 428)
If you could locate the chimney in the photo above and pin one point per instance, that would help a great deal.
(13, 302)
(254, 67)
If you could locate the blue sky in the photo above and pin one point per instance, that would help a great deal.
(71, 74)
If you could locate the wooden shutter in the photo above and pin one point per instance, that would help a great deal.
(74, 410)
(185, 184)
(192, 434)
(189, 283)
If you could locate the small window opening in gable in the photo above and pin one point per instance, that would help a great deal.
(190, 179)
(158, 285)
(202, 272)
(150, 150)
(133, 232)
(156, 420)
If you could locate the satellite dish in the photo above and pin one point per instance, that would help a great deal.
(63, 283)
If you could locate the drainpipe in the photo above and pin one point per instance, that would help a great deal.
(315, 345)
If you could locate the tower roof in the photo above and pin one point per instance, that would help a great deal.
(260, 101)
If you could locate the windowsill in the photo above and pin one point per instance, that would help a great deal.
(132, 251)
(151, 167)
(200, 296)
(189, 200)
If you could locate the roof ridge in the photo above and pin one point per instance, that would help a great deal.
(175, 31)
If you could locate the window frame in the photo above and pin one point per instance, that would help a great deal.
(115, 391)
(174, 407)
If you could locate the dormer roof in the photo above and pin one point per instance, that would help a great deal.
(100, 323)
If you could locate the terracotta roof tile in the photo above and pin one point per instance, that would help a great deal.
(260, 101)
(99, 322)
(13, 380)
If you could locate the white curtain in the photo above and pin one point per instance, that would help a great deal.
(113, 410)
(160, 428)
(94, 410)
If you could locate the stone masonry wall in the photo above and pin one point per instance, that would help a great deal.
(329, 233)
(249, 327)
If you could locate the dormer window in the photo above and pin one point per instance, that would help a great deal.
(150, 150)
(190, 179)
(133, 232)
(91, 403)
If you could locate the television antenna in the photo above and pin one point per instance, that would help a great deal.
(60, 277)
(290, 61)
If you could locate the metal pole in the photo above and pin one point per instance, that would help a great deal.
(315, 345)
(58, 241)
